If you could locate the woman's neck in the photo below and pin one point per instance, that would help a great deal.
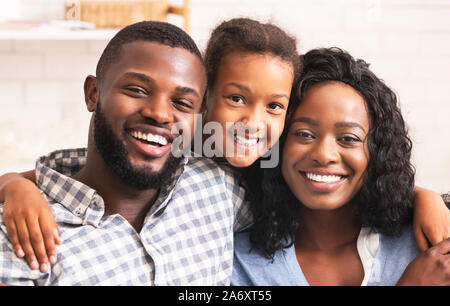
(327, 230)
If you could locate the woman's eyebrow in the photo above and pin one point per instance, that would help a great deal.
(306, 120)
(348, 124)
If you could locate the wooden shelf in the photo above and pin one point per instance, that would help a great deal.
(57, 34)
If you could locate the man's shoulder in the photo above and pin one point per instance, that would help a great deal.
(201, 165)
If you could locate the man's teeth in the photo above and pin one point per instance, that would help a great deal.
(323, 178)
(245, 141)
(150, 137)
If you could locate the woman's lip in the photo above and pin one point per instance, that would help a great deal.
(322, 186)
(324, 172)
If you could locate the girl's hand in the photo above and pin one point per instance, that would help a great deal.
(429, 268)
(431, 219)
(30, 224)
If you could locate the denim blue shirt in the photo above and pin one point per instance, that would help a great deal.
(253, 269)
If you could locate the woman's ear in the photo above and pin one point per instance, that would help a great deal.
(91, 92)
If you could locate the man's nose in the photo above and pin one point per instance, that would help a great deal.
(158, 108)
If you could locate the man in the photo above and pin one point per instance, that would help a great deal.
(134, 214)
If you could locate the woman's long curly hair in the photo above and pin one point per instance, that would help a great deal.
(385, 200)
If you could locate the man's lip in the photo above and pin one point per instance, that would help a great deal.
(149, 149)
(148, 129)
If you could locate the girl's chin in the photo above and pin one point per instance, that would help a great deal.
(241, 162)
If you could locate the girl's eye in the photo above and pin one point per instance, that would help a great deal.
(236, 99)
(276, 108)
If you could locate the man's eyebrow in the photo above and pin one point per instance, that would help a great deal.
(187, 90)
(142, 77)
(347, 124)
(306, 120)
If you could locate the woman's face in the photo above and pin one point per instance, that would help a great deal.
(249, 100)
(326, 154)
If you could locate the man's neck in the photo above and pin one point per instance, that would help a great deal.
(119, 198)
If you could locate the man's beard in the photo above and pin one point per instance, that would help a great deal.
(115, 155)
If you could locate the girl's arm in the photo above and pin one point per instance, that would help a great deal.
(431, 218)
(28, 220)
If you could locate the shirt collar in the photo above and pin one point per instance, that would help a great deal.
(72, 194)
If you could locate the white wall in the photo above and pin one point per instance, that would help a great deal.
(406, 41)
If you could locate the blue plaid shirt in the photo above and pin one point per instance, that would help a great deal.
(186, 239)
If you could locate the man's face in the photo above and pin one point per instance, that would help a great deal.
(149, 89)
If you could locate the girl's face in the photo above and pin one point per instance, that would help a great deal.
(249, 100)
(326, 154)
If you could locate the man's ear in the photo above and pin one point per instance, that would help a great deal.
(91, 92)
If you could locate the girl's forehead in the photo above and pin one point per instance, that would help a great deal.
(247, 58)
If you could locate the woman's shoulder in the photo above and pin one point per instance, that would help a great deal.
(252, 268)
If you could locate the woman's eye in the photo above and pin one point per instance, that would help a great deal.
(350, 139)
(303, 134)
(236, 99)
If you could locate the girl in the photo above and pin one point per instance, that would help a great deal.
(337, 209)
(251, 67)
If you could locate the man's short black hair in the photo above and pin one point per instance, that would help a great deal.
(151, 31)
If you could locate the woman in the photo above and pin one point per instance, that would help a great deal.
(337, 211)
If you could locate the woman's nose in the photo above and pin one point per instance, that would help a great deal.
(325, 152)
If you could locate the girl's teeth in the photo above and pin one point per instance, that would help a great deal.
(150, 137)
(244, 141)
(323, 178)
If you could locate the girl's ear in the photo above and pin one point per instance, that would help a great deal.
(91, 92)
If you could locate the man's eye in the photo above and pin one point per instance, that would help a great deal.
(137, 90)
(182, 104)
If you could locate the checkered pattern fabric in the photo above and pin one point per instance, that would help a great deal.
(186, 239)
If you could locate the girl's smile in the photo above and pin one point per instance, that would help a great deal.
(249, 99)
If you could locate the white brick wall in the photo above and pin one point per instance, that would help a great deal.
(407, 43)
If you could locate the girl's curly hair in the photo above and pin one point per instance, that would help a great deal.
(385, 200)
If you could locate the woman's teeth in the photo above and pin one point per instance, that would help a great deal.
(323, 178)
(150, 137)
(245, 141)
